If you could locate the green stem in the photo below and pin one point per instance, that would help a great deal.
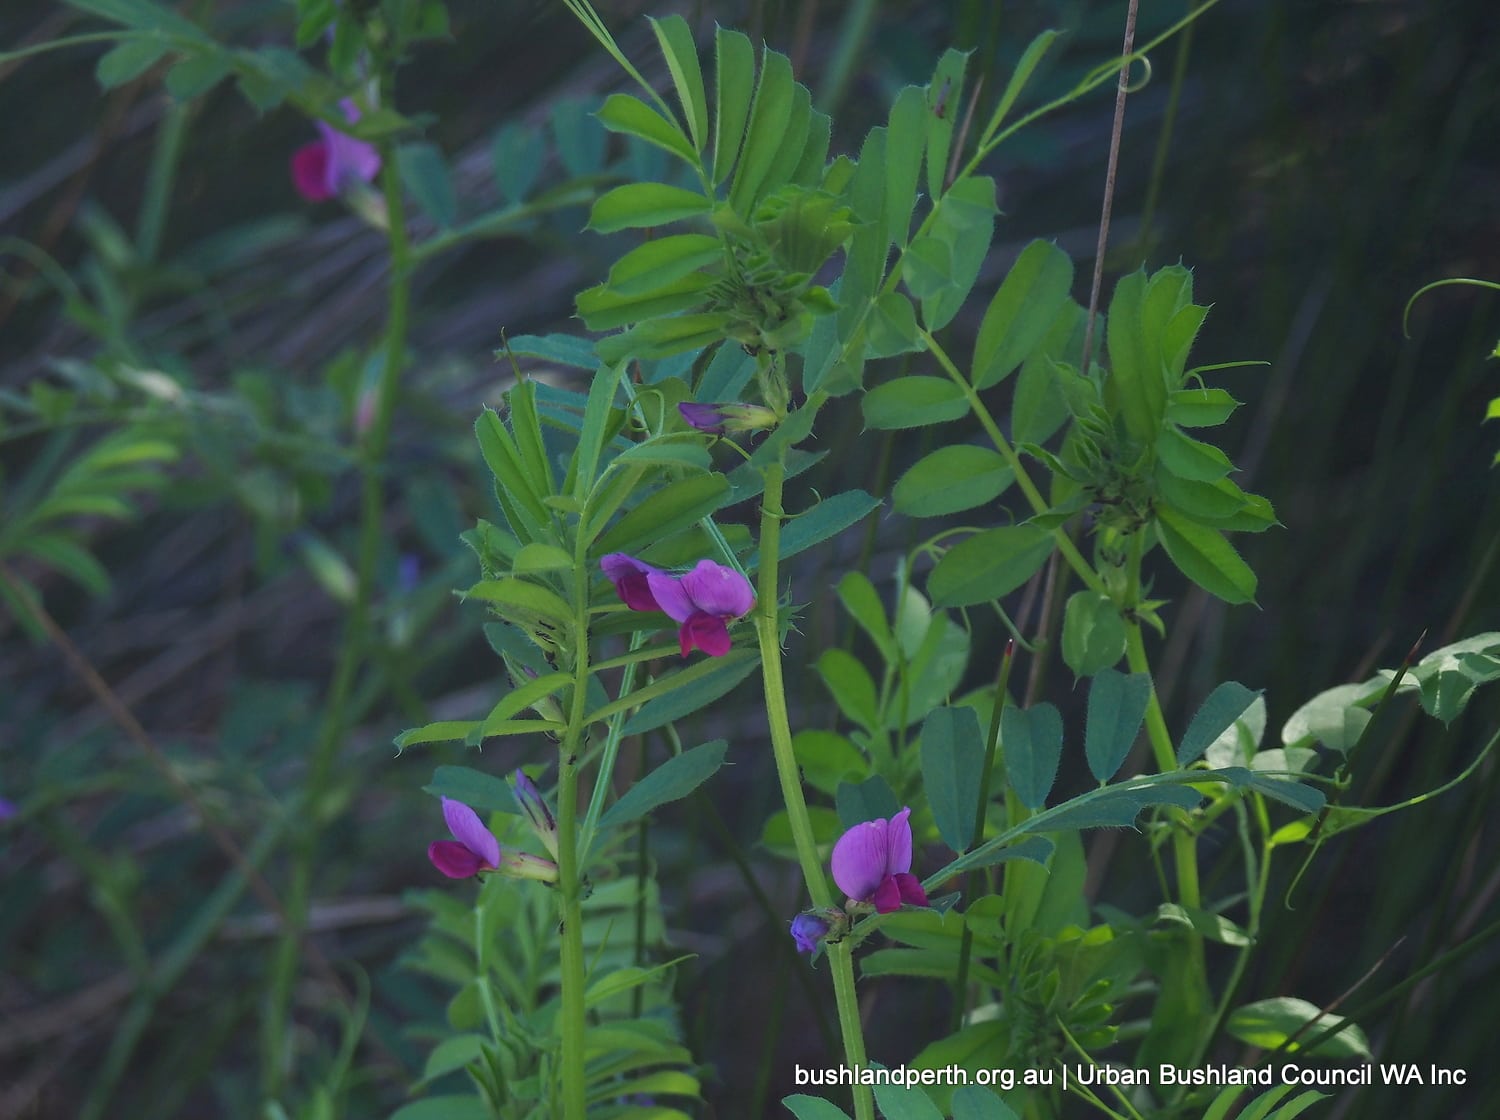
(1262, 878)
(353, 642)
(1039, 504)
(768, 631)
(1184, 843)
(570, 877)
(992, 740)
(1193, 973)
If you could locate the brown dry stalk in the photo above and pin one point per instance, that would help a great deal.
(1109, 181)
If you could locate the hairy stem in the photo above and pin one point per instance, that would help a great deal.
(768, 631)
(570, 871)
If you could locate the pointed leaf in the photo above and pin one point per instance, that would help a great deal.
(641, 205)
(672, 780)
(830, 516)
(914, 402)
(1189, 458)
(689, 691)
(735, 84)
(1117, 707)
(769, 114)
(952, 768)
(630, 115)
(1032, 742)
(906, 138)
(681, 52)
(662, 261)
(988, 565)
(1031, 297)
(1270, 1023)
(1224, 705)
(952, 479)
(945, 99)
(1205, 557)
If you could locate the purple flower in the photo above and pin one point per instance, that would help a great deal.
(474, 849)
(542, 821)
(808, 930)
(872, 863)
(702, 601)
(328, 167)
(7, 809)
(631, 578)
(722, 418)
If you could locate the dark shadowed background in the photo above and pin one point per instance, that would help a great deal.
(1316, 165)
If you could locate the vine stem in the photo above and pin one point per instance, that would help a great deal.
(768, 631)
(352, 647)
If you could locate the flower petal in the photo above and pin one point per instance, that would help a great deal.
(859, 859)
(469, 831)
(670, 596)
(911, 888)
(310, 172)
(704, 417)
(453, 859)
(887, 896)
(898, 854)
(718, 590)
(350, 161)
(706, 633)
(630, 577)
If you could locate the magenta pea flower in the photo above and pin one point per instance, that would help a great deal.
(872, 863)
(702, 601)
(474, 849)
(722, 418)
(632, 580)
(328, 167)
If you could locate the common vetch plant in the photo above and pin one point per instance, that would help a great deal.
(777, 280)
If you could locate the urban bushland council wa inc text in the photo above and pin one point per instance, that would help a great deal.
(1065, 1076)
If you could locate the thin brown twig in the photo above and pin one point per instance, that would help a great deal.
(962, 134)
(1109, 182)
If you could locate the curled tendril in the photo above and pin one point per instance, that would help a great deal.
(1145, 79)
(1420, 292)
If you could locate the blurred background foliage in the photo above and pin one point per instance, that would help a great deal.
(1314, 162)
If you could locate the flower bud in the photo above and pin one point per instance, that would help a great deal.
(540, 817)
(720, 419)
(812, 928)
